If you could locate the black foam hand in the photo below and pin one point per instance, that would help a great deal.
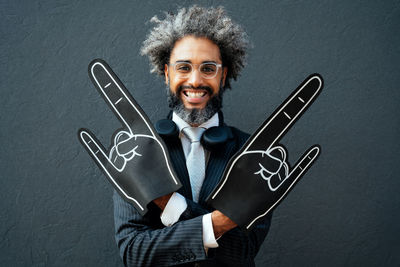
(137, 165)
(258, 177)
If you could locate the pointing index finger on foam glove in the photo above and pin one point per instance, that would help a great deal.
(118, 98)
(271, 131)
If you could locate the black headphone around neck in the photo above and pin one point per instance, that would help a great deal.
(212, 139)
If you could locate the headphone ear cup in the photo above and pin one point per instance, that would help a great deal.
(215, 137)
(167, 129)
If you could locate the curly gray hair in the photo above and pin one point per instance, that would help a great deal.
(211, 23)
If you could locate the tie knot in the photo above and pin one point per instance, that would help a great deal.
(193, 133)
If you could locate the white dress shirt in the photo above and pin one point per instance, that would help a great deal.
(177, 203)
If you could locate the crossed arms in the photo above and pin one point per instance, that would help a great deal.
(139, 232)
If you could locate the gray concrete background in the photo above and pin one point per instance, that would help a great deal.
(55, 205)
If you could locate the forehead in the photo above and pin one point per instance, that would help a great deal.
(195, 50)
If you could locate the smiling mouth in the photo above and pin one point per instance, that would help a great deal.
(195, 97)
(194, 94)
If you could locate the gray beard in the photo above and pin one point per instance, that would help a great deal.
(194, 116)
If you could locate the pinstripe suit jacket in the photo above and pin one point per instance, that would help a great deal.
(145, 241)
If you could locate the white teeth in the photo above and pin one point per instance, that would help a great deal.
(195, 94)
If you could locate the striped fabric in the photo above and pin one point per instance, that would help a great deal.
(144, 241)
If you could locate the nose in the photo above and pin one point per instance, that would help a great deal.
(195, 79)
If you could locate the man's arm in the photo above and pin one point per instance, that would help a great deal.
(144, 241)
(220, 223)
(235, 246)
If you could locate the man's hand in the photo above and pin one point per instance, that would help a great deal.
(161, 202)
(221, 223)
(258, 177)
(137, 164)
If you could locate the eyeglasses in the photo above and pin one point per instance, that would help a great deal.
(207, 70)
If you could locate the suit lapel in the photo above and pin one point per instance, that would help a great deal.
(215, 169)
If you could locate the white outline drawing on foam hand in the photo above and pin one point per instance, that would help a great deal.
(314, 151)
(100, 150)
(266, 174)
(85, 135)
(128, 156)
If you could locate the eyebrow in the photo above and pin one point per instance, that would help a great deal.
(188, 61)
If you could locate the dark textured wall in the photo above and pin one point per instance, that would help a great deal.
(55, 205)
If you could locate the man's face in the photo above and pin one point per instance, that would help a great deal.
(195, 91)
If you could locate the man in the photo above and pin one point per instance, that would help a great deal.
(198, 51)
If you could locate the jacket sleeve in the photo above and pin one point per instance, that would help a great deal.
(144, 241)
(236, 247)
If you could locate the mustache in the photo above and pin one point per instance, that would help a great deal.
(207, 88)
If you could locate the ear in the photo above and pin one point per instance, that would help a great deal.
(224, 73)
(166, 73)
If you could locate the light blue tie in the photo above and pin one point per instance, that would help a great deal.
(195, 160)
